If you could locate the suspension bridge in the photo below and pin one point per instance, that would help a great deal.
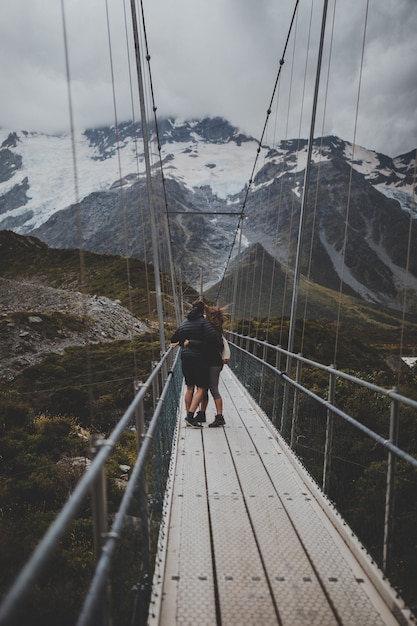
(266, 520)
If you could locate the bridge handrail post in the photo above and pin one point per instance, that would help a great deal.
(295, 403)
(99, 500)
(276, 382)
(328, 446)
(390, 489)
(262, 386)
(139, 417)
(155, 388)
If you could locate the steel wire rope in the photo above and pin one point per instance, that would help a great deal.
(78, 217)
(121, 187)
(299, 150)
(279, 213)
(249, 184)
(167, 225)
(320, 149)
(407, 267)
(258, 275)
(347, 214)
(149, 181)
(260, 290)
(295, 173)
(302, 107)
(268, 205)
(286, 279)
(141, 201)
(252, 310)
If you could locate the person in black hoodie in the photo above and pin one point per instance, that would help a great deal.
(197, 337)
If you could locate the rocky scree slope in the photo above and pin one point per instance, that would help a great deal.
(36, 319)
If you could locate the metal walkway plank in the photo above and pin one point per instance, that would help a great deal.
(290, 573)
(243, 590)
(188, 588)
(248, 538)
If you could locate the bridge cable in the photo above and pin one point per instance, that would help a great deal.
(297, 170)
(171, 263)
(242, 212)
(320, 149)
(407, 267)
(140, 204)
(345, 238)
(121, 188)
(78, 214)
(279, 212)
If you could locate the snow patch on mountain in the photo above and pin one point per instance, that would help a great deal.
(61, 173)
(199, 164)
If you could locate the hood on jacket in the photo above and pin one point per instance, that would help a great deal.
(195, 313)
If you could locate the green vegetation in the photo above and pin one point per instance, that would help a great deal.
(49, 411)
(27, 258)
(367, 347)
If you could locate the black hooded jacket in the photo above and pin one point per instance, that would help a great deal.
(200, 333)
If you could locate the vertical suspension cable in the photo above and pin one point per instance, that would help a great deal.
(148, 179)
(121, 188)
(343, 256)
(407, 267)
(305, 188)
(313, 227)
(281, 63)
(288, 250)
(141, 199)
(166, 224)
(78, 217)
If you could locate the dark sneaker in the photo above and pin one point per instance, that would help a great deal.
(191, 421)
(218, 421)
(200, 416)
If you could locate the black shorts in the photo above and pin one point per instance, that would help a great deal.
(196, 372)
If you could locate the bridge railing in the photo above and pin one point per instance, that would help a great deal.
(125, 530)
(357, 440)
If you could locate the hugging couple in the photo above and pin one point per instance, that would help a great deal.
(202, 357)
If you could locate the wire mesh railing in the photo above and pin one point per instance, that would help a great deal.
(124, 520)
(356, 439)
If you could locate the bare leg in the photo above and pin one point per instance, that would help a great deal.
(188, 398)
(204, 403)
(197, 398)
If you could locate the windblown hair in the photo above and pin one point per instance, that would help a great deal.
(216, 317)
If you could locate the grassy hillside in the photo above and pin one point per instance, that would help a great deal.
(129, 280)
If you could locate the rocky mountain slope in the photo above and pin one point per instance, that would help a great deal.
(358, 214)
(37, 318)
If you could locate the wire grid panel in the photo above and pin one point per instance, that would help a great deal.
(188, 591)
(343, 579)
(243, 589)
(288, 568)
(247, 532)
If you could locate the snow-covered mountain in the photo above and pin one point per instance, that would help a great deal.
(46, 181)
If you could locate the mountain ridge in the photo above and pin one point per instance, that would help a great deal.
(206, 165)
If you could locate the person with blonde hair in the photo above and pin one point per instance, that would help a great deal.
(215, 315)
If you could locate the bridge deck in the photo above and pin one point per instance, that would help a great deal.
(249, 539)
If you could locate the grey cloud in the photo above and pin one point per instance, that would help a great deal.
(216, 57)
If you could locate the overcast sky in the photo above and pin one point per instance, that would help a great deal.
(218, 58)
